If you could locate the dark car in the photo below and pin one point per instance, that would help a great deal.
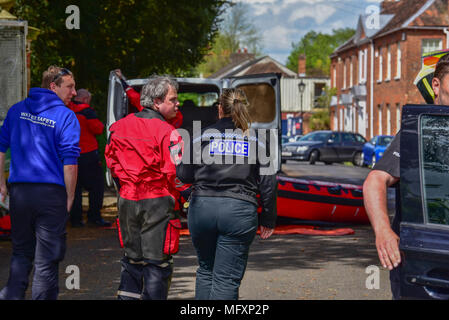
(374, 149)
(424, 199)
(326, 146)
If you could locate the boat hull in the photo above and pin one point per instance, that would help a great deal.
(320, 201)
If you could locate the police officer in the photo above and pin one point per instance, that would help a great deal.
(386, 174)
(222, 214)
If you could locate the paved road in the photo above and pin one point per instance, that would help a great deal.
(295, 267)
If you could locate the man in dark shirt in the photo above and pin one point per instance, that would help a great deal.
(386, 174)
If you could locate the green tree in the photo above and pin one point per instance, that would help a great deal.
(141, 37)
(317, 47)
(320, 119)
(236, 32)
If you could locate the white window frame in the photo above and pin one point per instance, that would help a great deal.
(388, 119)
(398, 62)
(361, 67)
(351, 71)
(431, 44)
(379, 119)
(344, 74)
(388, 77)
(398, 117)
(381, 59)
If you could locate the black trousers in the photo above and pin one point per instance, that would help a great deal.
(38, 220)
(90, 177)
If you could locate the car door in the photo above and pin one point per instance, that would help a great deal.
(348, 146)
(329, 151)
(263, 93)
(424, 190)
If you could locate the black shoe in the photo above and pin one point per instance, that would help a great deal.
(79, 224)
(100, 223)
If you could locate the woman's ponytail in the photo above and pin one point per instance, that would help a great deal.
(235, 104)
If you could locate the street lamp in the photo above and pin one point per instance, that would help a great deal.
(301, 88)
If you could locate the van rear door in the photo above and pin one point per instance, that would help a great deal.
(424, 231)
(264, 96)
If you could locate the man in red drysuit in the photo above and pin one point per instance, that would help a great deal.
(140, 154)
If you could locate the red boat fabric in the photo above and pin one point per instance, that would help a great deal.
(320, 201)
(5, 227)
(298, 229)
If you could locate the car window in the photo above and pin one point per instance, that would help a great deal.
(359, 138)
(315, 136)
(385, 141)
(348, 137)
(434, 166)
(335, 136)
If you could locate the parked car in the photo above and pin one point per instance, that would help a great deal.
(374, 149)
(285, 139)
(327, 146)
(424, 199)
(296, 138)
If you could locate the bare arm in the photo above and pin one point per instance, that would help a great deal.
(375, 200)
(70, 176)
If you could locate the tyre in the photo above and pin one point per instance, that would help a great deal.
(313, 157)
(358, 159)
(373, 161)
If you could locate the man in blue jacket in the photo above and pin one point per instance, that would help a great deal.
(43, 135)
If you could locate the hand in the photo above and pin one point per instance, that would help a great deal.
(265, 232)
(69, 204)
(387, 244)
(119, 74)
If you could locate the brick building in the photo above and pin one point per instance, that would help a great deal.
(375, 69)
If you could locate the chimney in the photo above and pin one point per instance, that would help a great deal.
(302, 65)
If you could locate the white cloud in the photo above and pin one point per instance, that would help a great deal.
(319, 13)
(279, 38)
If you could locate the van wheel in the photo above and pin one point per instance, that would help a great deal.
(313, 157)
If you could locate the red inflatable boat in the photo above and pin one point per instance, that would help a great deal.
(320, 201)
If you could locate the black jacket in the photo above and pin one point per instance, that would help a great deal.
(236, 172)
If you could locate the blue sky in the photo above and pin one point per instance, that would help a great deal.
(282, 22)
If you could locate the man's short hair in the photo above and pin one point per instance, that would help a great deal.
(442, 67)
(82, 94)
(54, 74)
(156, 88)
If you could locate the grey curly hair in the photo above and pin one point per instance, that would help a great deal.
(156, 88)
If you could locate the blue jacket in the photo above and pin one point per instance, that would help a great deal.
(43, 135)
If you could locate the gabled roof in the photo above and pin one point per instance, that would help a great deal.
(264, 64)
(398, 15)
